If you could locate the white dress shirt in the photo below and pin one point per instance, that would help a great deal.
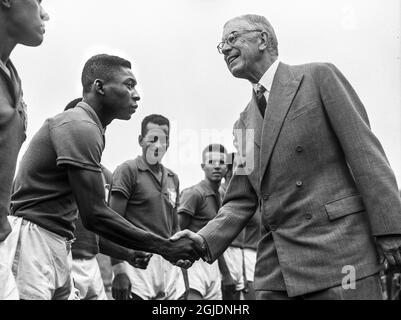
(267, 79)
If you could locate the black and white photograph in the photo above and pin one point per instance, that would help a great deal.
(200, 150)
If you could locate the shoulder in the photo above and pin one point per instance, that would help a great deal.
(128, 166)
(315, 68)
(76, 120)
(193, 192)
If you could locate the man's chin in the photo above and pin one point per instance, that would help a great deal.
(215, 179)
(237, 72)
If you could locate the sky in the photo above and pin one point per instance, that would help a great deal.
(172, 46)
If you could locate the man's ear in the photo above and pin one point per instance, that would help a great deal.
(264, 40)
(203, 166)
(140, 140)
(6, 3)
(98, 84)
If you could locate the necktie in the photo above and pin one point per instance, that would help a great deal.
(261, 99)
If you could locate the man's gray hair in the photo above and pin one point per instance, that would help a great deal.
(260, 22)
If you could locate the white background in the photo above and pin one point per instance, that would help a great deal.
(172, 45)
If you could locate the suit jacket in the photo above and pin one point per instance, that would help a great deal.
(321, 179)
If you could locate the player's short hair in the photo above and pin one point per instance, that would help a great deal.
(103, 67)
(156, 119)
(72, 104)
(214, 147)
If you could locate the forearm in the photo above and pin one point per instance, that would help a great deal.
(110, 225)
(239, 207)
(114, 250)
(97, 217)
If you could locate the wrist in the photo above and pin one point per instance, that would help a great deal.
(161, 247)
(203, 248)
(129, 255)
(119, 268)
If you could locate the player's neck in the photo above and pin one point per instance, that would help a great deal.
(214, 185)
(6, 47)
(155, 168)
(104, 120)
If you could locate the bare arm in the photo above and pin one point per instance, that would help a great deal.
(114, 250)
(88, 190)
(184, 219)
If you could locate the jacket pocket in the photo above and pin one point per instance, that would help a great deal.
(344, 207)
(304, 109)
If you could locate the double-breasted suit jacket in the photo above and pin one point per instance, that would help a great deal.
(321, 179)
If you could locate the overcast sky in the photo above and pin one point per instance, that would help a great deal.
(180, 74)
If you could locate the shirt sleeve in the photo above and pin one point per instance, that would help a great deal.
(124, 180)
(189, 201)
(79, 144)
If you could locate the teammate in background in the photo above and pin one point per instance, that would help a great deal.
(147, 194)
(198, 205)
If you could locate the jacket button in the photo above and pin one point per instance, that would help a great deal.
(300, 149)
(273, 227)
(266, 197)
(299, 184)
(308, 217)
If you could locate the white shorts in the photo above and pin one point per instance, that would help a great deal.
(235, 262)
(88, 280)
(42, 263)
(250, 262)
(160, 281)
(8, 287)
(206, 279)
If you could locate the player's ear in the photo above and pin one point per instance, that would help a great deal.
(98, 84)
(140, 140)
(6, 3)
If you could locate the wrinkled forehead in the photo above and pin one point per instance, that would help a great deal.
(235, 24)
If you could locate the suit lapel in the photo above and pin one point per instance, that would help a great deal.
(253, 120)
(250, 126)
(282, 93)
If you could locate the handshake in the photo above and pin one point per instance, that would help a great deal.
(184, 248)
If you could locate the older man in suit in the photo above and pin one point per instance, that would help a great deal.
(328, 198)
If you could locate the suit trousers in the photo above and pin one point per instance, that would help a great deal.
(365, 289)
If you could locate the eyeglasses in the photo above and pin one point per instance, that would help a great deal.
(232, 38)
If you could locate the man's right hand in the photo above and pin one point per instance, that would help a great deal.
(121, 287)
(186, 247)
(182, 248)
(5, 228)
